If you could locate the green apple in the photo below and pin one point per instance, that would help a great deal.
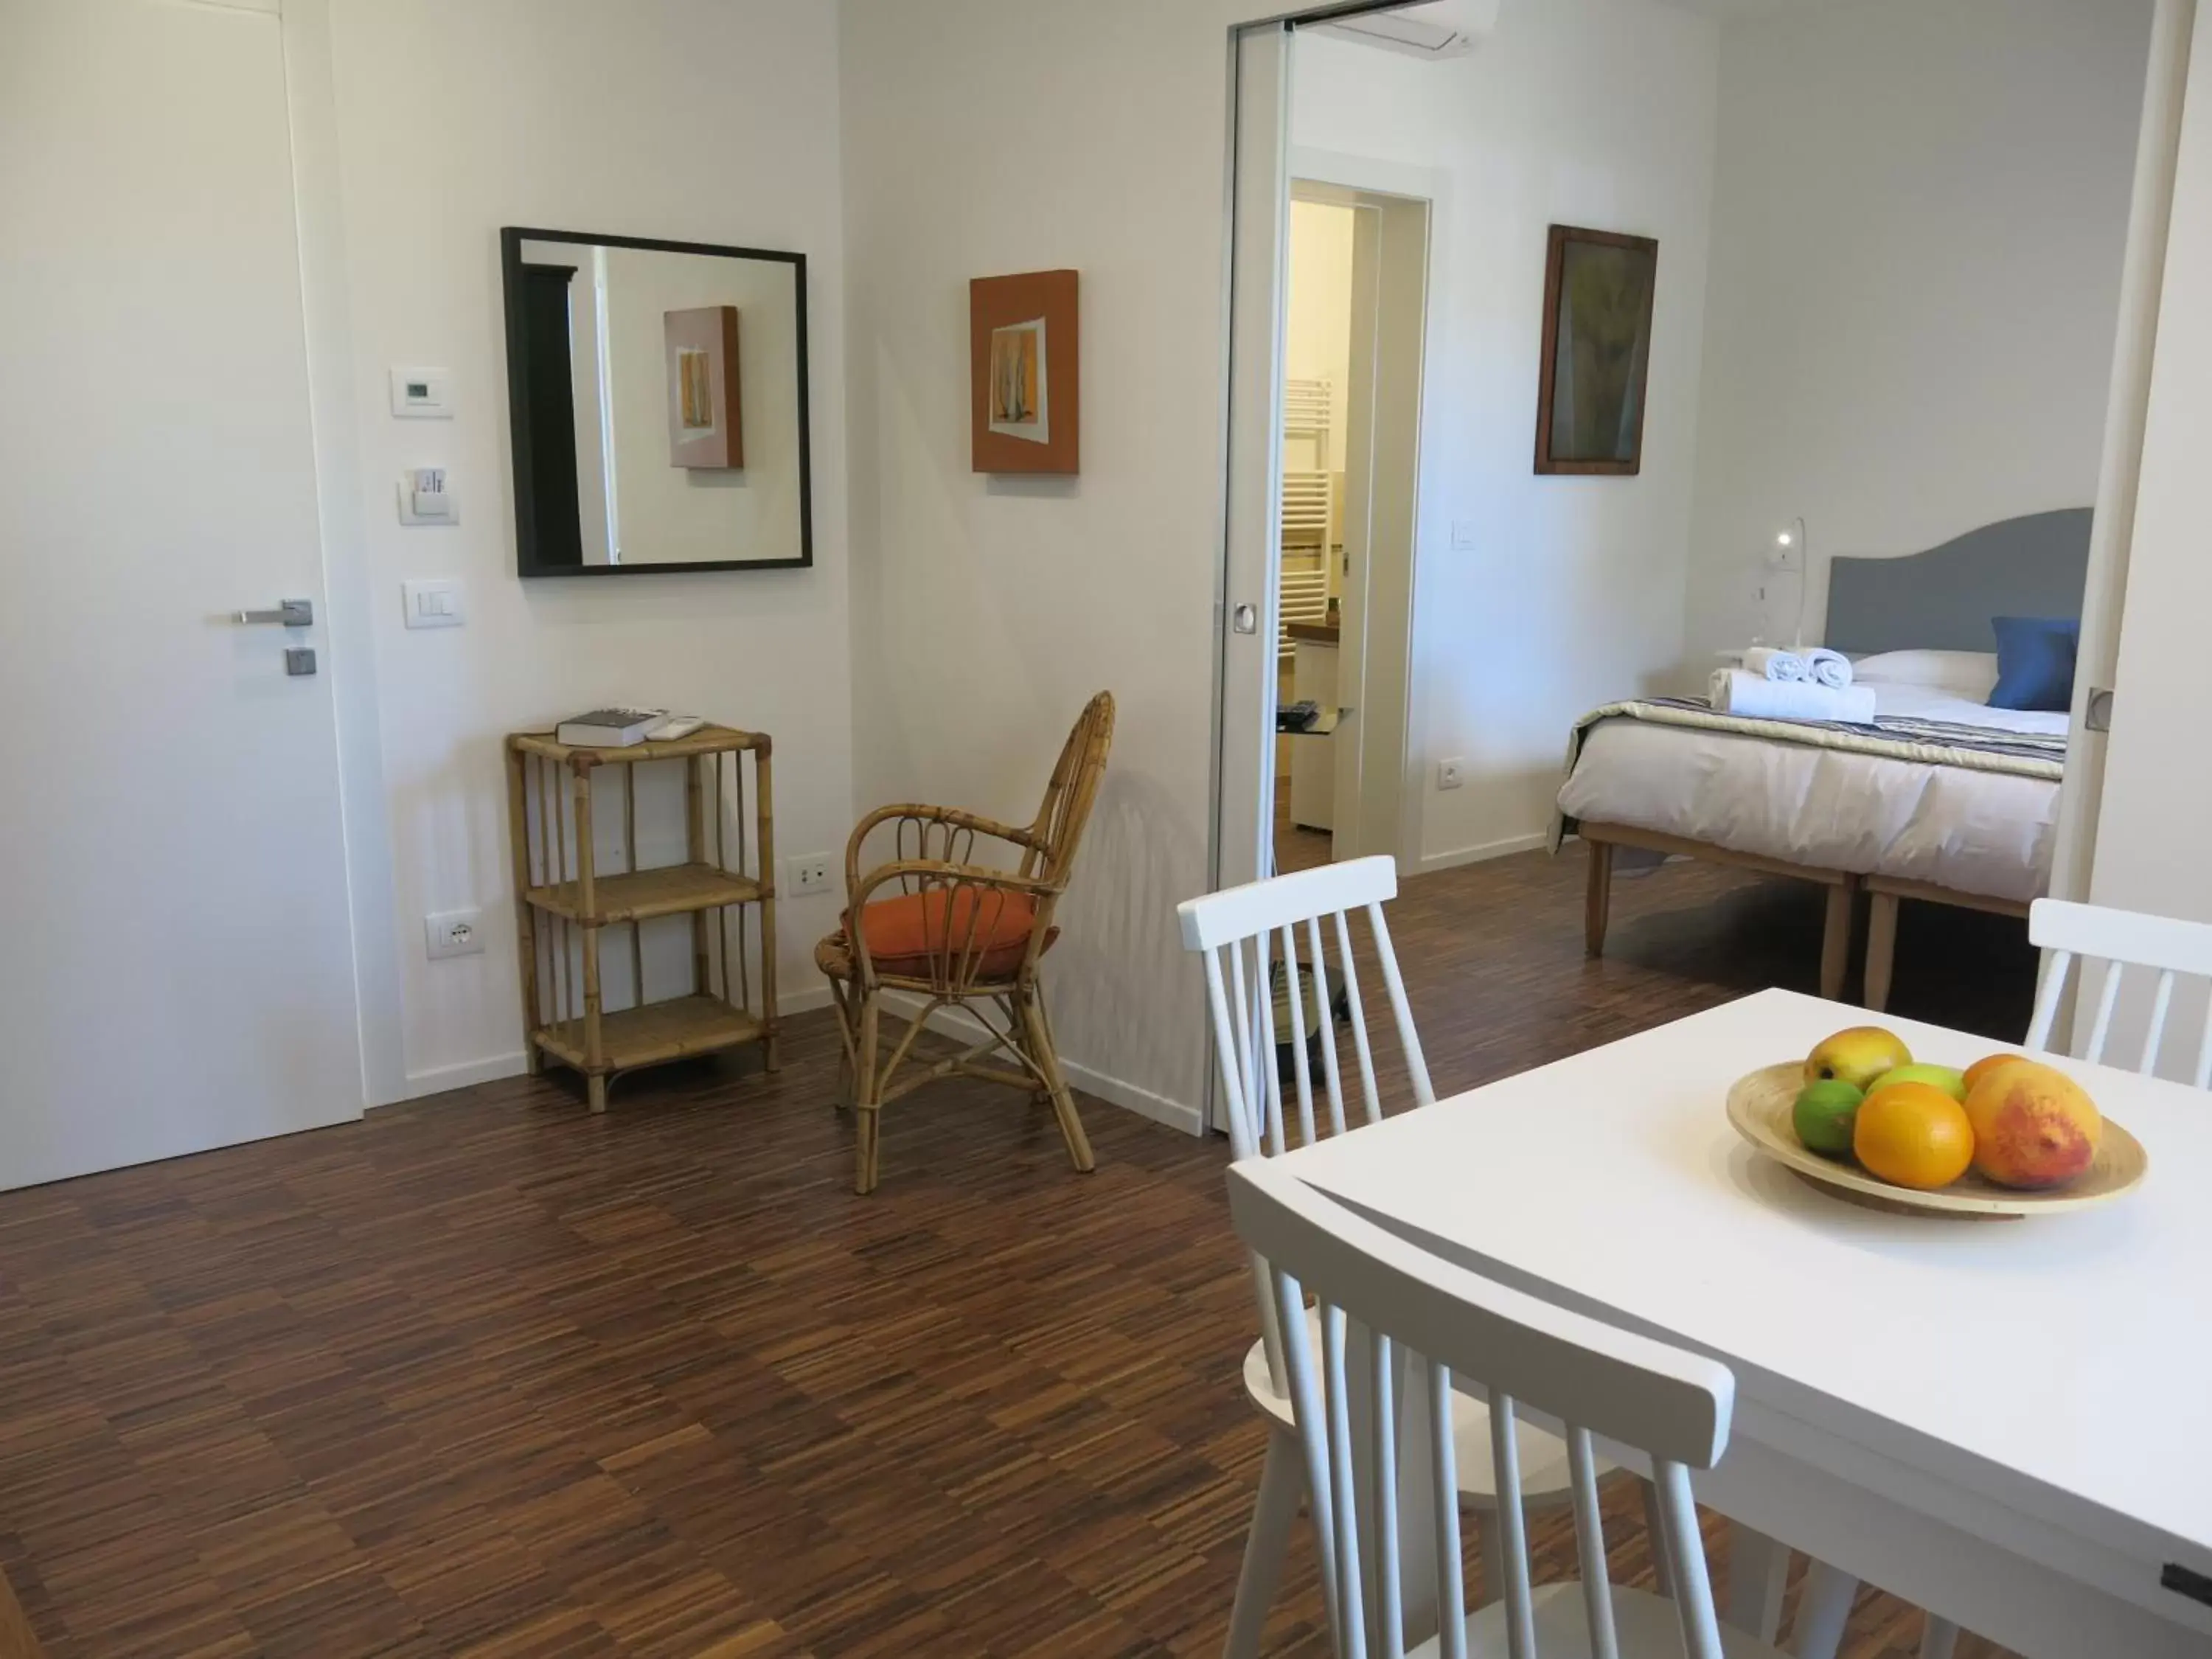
(1950, 1080)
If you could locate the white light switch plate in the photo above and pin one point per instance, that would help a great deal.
(1466, 536)
(433, 603)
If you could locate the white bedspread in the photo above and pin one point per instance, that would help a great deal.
(1976, 832)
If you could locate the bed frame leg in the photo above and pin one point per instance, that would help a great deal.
(1882, 948)
(1836, 937)
(1597, 898)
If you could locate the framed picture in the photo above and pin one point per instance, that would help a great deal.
(1598, 289)
(706, 428)
(1024, 372)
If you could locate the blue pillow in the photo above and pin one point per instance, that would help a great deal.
(2035, 663)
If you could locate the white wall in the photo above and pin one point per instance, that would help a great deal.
(706, 120)
(986, 609)
(1917, 232)
(1591, 112)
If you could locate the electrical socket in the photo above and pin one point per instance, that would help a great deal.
(1451, 774)
(807, 874)
(454, 933)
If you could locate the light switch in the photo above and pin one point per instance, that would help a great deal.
(425, 497)
(433, 603)
(1466, 536)
(422, 394)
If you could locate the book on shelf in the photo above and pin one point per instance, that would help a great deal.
(609, 728)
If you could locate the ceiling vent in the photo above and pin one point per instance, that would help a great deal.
(1451, 29)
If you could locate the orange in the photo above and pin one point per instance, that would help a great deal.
(1981, 1068)
(2033, 1126)
(1913, 1134)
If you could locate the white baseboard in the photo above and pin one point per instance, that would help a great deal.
(492, 1067)
(440, 1079)
(1114, 1090)
(1489, 849)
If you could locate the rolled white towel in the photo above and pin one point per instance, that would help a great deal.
(1739, 691)
(1783, 667)
(1824, 667)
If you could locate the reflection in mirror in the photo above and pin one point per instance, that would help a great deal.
(658, 395)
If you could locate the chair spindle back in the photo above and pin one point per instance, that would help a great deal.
(2121, 939)
(1595, 1379)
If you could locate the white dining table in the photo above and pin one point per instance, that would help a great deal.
(2005, 1422)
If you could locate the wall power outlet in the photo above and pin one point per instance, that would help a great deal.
(454, 933)
(807, 873)
(1451, 774)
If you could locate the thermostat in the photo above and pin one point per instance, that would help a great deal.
(422, 394)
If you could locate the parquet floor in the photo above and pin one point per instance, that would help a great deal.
(483, 1374)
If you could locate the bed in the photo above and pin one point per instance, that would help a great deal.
(1943, 800)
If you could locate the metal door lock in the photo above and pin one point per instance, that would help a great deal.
(1244, 619)
(300, 660)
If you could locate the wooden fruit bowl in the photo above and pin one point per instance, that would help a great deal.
(1759, 1105)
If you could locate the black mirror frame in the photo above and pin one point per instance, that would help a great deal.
(511, 239)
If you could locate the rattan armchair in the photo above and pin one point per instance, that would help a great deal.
(950, 931)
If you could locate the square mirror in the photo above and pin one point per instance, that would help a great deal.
(657, 392)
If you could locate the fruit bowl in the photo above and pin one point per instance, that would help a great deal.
(1760, 1104)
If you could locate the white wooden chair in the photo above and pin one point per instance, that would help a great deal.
(2121, 939)
(2082, 933)
(1447, 1321)
(1285, 924)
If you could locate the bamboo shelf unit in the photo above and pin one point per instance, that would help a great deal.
(564, 903)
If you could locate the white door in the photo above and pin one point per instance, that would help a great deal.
(176, 968)
(1244, 792)
(2152, 846)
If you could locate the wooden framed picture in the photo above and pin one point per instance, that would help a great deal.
(705, 410)
(1024, 373)
(1598, 289)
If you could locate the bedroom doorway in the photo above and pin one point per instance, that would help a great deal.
(1349, 454)
(1549, 594)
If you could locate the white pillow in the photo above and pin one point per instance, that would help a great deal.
(1971, 675)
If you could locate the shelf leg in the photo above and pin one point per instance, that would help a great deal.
(526, 924)
(764, 849)
(595, 1092)
(695, 850)
(588, 907)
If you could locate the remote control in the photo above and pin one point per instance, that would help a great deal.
(675, 726)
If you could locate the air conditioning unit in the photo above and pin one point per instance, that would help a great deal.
(1451, 28)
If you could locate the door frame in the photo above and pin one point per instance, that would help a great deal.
(311, 102)
(1408, 202)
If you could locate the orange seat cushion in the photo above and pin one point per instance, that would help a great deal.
(909, 935)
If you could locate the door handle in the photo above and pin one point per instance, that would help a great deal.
(288, 613)
(1244, 619)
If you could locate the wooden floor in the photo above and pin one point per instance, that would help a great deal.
(485, 1375)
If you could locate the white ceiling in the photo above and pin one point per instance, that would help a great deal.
(1464, 13)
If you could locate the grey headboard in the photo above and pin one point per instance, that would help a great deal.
(1942, 599)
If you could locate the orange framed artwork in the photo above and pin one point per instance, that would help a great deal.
(1024, 372)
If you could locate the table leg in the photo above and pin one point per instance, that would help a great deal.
(1836, 937)
(1882, 948)
(1823, 1609)
(1759, 1570)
